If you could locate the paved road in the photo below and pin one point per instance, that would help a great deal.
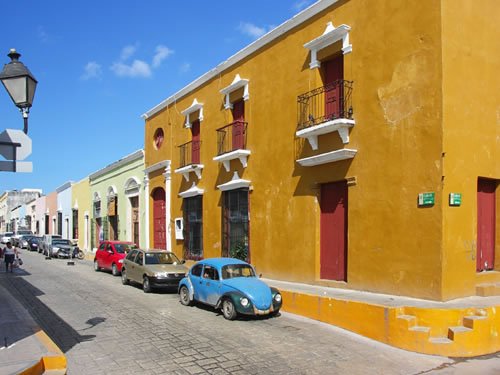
(107, 328)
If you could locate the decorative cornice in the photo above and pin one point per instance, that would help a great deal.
(117, 164)
(264, 40)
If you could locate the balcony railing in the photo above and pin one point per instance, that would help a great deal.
(323, 104)
(232, 137)
(190, 153)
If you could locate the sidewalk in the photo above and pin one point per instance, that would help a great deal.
(464, 327)
(24, 348)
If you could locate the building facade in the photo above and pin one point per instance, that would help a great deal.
(15, 200)
(343, 148)
(40, 221)
(51, 213)
(64, 210)
(117, 202)
(81, 209)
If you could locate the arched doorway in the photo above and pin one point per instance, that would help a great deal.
(159, 227)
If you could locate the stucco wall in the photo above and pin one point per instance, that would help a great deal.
(471, 127)
(81, 200)
(51, 203)
(117, 179)
(394, 246)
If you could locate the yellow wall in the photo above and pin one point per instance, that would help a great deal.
(393, 246)
(81, 196)
(471, 126)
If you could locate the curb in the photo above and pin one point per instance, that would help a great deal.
(55, 363)
(453, 332)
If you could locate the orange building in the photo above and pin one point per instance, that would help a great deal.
(356, 145)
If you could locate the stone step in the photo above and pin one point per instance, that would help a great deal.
(488, 289)
(440, 340)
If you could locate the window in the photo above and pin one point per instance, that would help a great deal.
(97, 208)
(75, 224)
(210, 273)
(131, 255)
(196, 270)
(140, 258)
(235, 225)
(103, 246)
(193, 228)
(158, 138)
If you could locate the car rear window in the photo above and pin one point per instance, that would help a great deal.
(123, 248)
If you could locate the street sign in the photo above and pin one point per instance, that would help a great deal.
(426, 199)
(455, 199)
(15, 136)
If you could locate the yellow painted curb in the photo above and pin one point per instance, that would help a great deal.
(55, 361)
(466, 332)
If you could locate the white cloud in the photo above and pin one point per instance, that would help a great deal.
(127, 52)
(138, 68)
(92, 70)
(251, 29)
(162, 52)
(184, 68)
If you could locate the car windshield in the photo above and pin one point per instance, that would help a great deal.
(124, 248)
(237, 270)
(60, 242)
(161, 258)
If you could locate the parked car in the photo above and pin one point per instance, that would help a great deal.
(230, 285)
(17, 236)
(153, 269)
(109, 255)
(47, 242)
(22, 241)
(61, 248)
(6, 237)
(34, 243)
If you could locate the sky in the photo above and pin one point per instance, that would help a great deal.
(100, 65)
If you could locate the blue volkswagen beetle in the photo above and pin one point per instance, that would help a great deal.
(231, 285)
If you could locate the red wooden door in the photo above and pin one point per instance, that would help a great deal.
(159, 229)
(238, 137)
(334, 74)
(333, 231)
(195, 144)
(486, 221)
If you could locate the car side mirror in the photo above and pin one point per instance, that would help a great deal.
(183, 261)
(260, 275)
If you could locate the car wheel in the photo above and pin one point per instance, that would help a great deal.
(124, 277)
(184, 296)
(96, 266)
(275, 313)
(114, 270)
(228, 309)
(146, 287)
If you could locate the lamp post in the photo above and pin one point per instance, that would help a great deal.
(20, 84)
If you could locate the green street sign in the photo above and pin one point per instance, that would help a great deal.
(426, 199)
(455, 199)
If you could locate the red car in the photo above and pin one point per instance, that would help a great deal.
(110, 254)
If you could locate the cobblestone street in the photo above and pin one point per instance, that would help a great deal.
(104, 327)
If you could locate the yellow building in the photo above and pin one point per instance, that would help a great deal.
(356, 145)
(81, 208)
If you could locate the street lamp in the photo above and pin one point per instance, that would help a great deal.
(20, 84)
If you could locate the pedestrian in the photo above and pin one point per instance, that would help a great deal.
(9, 256)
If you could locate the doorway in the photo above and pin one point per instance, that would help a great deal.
(159, 228)
(486, 223)
(333, 231)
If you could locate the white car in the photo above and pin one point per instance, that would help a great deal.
(6, 237)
